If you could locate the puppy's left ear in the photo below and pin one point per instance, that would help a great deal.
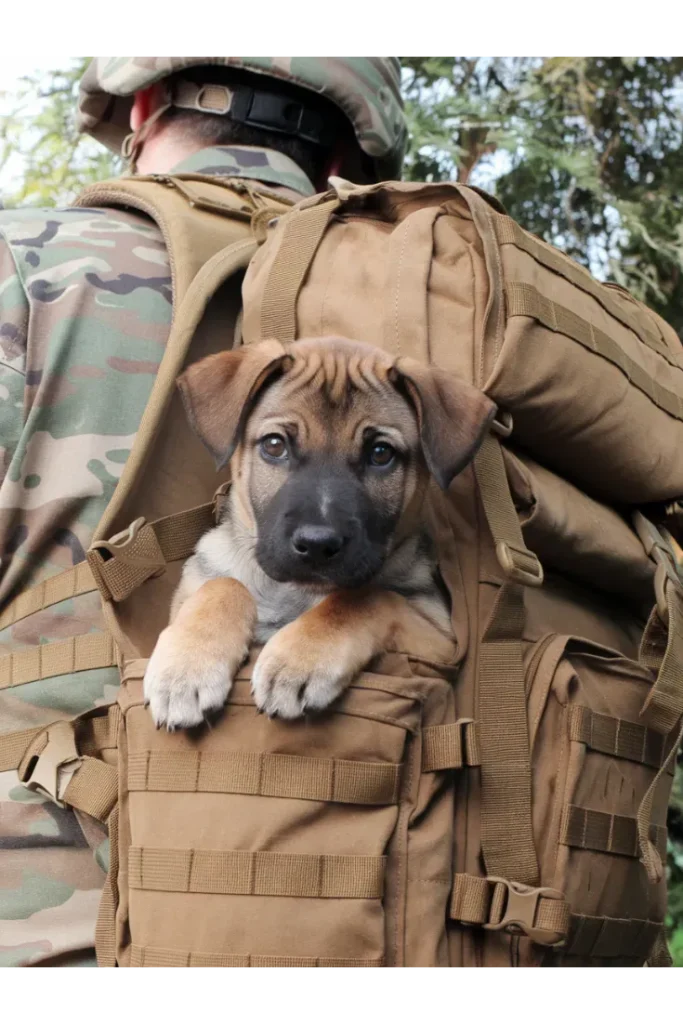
(453, 416)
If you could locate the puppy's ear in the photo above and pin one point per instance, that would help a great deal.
(452, 415)
(218, 393)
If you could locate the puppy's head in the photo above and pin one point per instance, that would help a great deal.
(331, 442)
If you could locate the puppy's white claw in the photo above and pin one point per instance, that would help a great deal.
(280, 690)
(183, 686)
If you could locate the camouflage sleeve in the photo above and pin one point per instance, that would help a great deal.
(14, 311)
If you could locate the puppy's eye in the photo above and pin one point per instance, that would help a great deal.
(274, 446)
(381, 454)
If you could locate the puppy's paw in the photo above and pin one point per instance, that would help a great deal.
(185, 683)
(296, 673)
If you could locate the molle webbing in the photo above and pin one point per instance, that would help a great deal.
(587, 829)
(450, 746)
(149, 956)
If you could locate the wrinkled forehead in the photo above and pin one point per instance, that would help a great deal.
(339, 387)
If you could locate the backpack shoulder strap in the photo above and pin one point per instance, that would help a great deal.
(210, 226)
(197, 214)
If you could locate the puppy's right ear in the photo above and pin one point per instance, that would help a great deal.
(218, 393)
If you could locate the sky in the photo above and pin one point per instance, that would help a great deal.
(11, 70)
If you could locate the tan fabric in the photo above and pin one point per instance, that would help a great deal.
(506, 824)
(508, 232)
(278, 775)
(69, 583)
(438, 273)
(525, 362)
(150, 957)
(450, 746)
(14, 746)
(514, 818)
(616, 737)
(612, 833)
(77, 654)
(493, 904)
(93, 789)
(235, 872)
(280, 840)
(169, 540)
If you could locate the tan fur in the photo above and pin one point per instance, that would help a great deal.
(207, 641)
(317, 638)
(308, 663)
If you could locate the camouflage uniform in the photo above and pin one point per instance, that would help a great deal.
(85, 311)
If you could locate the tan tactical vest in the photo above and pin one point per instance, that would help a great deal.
(509, 809)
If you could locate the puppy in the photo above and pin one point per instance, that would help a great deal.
(320, 553)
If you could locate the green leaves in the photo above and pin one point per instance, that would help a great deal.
(38, 137)
(584, 152)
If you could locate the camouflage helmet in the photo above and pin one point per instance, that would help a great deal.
(365, 89)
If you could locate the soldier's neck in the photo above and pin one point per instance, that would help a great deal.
(162, 151)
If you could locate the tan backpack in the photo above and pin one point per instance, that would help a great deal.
(509, 809)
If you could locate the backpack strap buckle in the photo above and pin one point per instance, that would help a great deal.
(43, 764)
(122, 563)
(541, 914)
(520, 564)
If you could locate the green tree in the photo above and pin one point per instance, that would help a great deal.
(584, 152)
(38, 136)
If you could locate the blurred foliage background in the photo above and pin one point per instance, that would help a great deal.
(583, 151)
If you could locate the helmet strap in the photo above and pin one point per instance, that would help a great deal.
(132, 144)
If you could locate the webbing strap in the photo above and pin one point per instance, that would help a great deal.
(123, 563)
(100, 732)
(587, 829)
(77, 654)
(506, 824)
(525, 300)
(105, 929)
(509, 232)
(52, 764)
(483, 901)
(240, 872)
(94, 735)
(617, 737)
(170, 539)
(259, 774)
(214, 273)
(14, 746)
(450, 746)
(651, 856)
(494, 904)
(153, 956)
(93, 788)
(519, 564)
(70, 583)
(302, 232)
(611, 937)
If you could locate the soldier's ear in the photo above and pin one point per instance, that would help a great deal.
(219, 391)
(453, 416)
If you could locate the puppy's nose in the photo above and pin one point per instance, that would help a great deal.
(317, 543)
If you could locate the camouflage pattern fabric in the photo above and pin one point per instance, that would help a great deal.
(366, 89)
(85, 312)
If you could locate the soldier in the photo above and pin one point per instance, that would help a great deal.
(85, 312)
